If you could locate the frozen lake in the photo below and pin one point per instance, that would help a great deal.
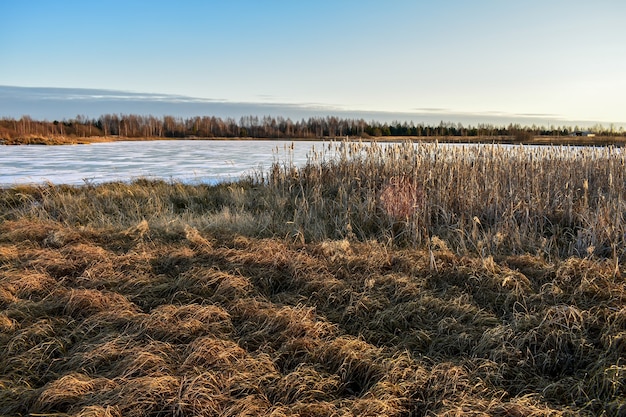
(198, 161)
(205, 161)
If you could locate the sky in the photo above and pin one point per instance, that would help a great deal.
(558, 59)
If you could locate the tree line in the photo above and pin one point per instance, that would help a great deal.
(136, 126)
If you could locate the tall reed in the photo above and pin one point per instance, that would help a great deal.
(557, 201)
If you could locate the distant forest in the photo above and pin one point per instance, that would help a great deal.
(135, 126)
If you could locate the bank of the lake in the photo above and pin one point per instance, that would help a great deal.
(532, 140)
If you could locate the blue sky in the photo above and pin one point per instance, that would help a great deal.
(554, 58)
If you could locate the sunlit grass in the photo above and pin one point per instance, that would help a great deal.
(391, 280)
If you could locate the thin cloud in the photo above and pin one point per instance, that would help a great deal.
(47, 103)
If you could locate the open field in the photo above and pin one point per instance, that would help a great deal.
(393, 281)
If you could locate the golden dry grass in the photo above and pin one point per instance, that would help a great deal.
(248, 326)
(145, 299)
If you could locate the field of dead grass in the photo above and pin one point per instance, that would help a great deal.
(166, 299)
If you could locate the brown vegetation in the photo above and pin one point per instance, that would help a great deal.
(300, 293)
(552, 201)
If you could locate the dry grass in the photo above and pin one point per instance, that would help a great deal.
(145, 299)
(330, 328)
(552, 201)
(491, 200)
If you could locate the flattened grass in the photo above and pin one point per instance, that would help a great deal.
(262, 326)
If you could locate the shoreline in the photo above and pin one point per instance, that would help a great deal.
(504, 140)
